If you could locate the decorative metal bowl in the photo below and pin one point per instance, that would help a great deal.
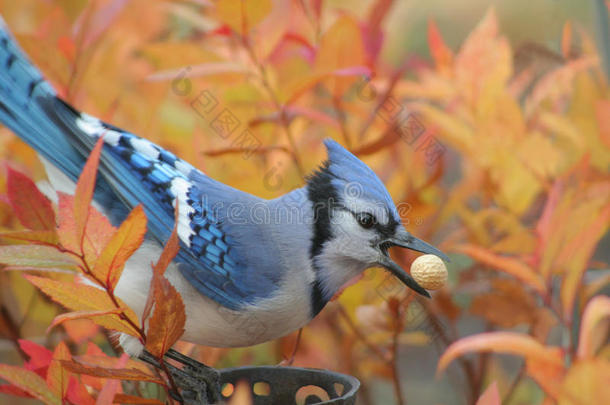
(277, 385)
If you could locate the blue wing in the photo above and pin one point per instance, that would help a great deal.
(140, 172)
(133, 171)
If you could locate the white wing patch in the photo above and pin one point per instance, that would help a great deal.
(180, 188)
(145, 147)
(89, 125)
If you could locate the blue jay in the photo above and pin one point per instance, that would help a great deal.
(249, 270)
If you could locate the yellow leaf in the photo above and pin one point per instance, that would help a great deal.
(340, 47)
(595, 311)
(242, 15)
(586, 383)
(57, 377)
(30, 382)
(80, 297)
(121, 246)
(577, 253)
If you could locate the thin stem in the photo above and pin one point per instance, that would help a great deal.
(84, 267)
(358, 333)
(262, 71)
(395, 372)
(342, 123)
(514, 384)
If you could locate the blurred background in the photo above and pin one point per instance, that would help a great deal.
(488, 121)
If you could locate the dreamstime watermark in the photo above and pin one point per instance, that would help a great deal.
(407, 125)
(219, 118)
(296, 210)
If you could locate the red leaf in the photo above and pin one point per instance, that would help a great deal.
(84, 190)
(443, 57)
(31, 207)
(40, 356)
(121, 246)
(67, 46)
(78, 394)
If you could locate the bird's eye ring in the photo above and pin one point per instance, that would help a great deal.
(365, 220)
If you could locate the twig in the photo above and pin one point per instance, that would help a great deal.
(394, 79)
(290, 360)
(278, 105)
(341, 119)
(383, 356)
(398, 324)
(514, 384)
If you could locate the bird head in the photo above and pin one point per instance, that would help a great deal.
(356, 222)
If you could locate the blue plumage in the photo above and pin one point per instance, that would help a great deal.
(272, 263)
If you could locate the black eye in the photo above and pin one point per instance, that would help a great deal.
(365, 220)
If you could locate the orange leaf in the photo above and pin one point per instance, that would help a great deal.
(35, 256)
(544, 364)
(505, 264)
(443, 56)
(596, 310)
(80, 297)
(586, 383)
(67, 46)
(566, 40)
(98, 359)
(121, 246)
(498, 342)
(242, 15)
(57, 377)
(70, 316)
(166, 324)
(98, 232)
(576, 255)
(43, 237)
(78, 393)
(117, 372)
(31, 207)
(81, 330)
(340, 47)
(170, 250)
(29, 382)
(491, 396)
(84, 191)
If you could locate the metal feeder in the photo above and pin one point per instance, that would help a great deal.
(286, 385)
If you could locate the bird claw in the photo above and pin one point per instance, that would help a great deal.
(198, 384)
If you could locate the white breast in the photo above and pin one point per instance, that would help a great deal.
(207, 322)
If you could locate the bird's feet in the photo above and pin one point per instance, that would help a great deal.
(197, 383)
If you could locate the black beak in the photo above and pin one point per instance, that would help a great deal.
(406, 240)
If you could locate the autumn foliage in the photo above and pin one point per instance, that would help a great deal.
(498, 153)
